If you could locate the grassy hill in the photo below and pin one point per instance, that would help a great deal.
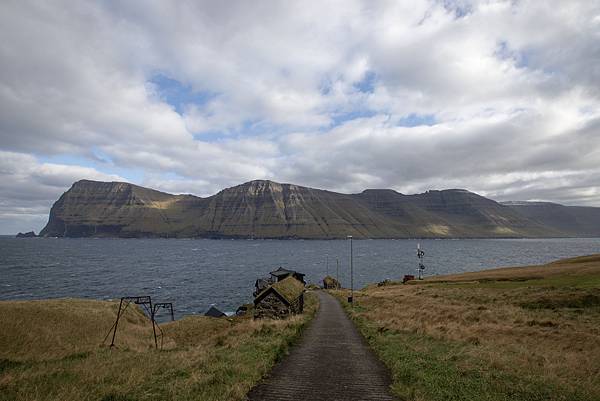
(523, 333)
(52, 350)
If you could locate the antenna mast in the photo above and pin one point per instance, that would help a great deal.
(420, 256)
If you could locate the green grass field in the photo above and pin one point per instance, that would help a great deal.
(527, 333)
(51, 350)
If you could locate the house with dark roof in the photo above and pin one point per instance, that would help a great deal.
(261, 284)
(280, 300)
(281, 274)
(214, 312)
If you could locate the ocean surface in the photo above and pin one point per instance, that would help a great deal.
(195, 273)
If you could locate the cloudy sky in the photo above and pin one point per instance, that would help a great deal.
(499, 97)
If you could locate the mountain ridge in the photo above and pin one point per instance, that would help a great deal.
(268, 209)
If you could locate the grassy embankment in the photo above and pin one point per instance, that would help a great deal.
(50, 350)
(525, 333)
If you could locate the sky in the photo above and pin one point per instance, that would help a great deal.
(499, 97)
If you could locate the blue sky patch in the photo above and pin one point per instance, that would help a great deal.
(177, 94)
(415, 120)
(133, 175)
(459, 8)
(340, 118)
(367, 84)
(101, 156)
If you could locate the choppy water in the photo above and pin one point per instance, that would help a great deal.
(196, 273)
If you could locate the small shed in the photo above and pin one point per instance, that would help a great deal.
(281, 274)
(214, 312)
(280, 300)
(329, 283)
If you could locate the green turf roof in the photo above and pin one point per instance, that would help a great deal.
(289, 289)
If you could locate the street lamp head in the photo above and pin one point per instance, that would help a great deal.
(348, 236)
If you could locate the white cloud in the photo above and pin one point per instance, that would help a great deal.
(512, 87)
(29, 188)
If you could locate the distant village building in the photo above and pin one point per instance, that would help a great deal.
(329, 283)
(214, 312)
(280, 300)
(261, 284)
(281, 274)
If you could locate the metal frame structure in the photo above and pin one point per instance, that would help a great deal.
(151, 309)
(164, 305)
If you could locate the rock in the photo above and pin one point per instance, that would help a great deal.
(244, 309)
(30, 234)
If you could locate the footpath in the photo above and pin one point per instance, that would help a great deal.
(331, 362)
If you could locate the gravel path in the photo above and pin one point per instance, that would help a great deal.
(331, 362)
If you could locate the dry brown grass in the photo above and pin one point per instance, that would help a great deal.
(541, 322)
(580, 266)
(50, 329)
(52, 350)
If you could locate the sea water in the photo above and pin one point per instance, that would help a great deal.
(195, 273)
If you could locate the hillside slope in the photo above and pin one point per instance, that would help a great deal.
(58, 350)
(518, 333)
(266, 209)
(575, 221)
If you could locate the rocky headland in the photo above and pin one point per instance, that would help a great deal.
(267, 209)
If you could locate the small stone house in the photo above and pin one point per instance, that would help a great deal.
(280, 300)
(329, 283)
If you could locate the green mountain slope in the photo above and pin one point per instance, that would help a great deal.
(573, 221)
(266, 209)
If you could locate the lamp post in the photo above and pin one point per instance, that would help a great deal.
(337, 270)
(351, 298)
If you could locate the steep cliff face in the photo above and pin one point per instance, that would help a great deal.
(452, 213)
(570, 220)
(266, 209)
(467, 214)
(110, 209)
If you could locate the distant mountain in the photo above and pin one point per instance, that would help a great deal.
(572, 221)
(266, 209)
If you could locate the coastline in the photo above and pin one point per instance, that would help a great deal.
(477, 335)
